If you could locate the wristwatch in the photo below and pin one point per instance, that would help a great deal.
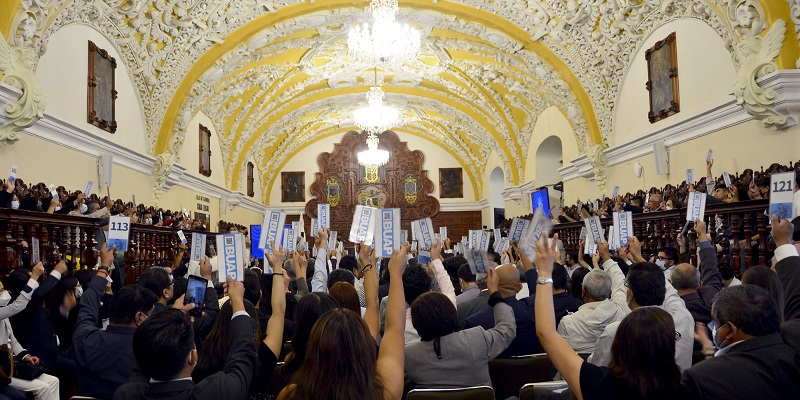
(544, 281)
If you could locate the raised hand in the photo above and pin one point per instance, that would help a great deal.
(398, 262)
(603, 251)
(38, 270)
(205, 268)
(635, 249)
(545, 255)
(781, 230)
(107, 256)
(277, 257)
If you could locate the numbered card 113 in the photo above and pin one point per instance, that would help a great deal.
(119, 229)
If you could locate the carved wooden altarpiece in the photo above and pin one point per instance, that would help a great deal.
(343, 183)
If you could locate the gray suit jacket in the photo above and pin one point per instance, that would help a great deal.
(465, 355)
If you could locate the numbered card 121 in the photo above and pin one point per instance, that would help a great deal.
(781, 195)
(119, 229)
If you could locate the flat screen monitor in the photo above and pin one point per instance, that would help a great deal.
(541, 198)
(255, 236)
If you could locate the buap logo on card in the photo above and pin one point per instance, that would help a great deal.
(363, 222)
(387, 233)
(196, 244)
(231, 259)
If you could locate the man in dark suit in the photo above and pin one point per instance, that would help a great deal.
(788, 269)
(33, 326)
(754, 360)
(105, 357)
(476, 305)
(526, 341)
(166, 355)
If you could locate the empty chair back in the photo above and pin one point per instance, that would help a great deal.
(557, 390)
(467, 393)
(510, 374)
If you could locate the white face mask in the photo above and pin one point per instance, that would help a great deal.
(84, 208)
(669, 208)
(5, 298)
(15, 205)
(78, 292)
(57, 208)
(661, 263)
(148, 221)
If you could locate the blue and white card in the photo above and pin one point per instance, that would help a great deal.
(497, 235)
(403, 237)
(314, 227)
(474, 239)
(616, 192)
(332, 242)
(518, 228)
(540, 226)
(272, 229)
(297, 227)
(623, 227)
(198, 247)
(781, 195)
(289, 240)
(88, 190)
(478, 261)
(485, 237)
(324, 216)
(690, 176)
(119, 229)
(613, 239)
(414, 232)
(13, 177)
(696, 206)
(503, 246)
(582, 234)
(589, 248)
(594, 230)
(230, 255)
(727, 178)
(36, 254)
(424, 257)
(388, 233)
(182, 237)
(443, 233)
(425, 232)
(363, 227)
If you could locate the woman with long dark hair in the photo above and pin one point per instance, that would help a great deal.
(642, 355)
(342, 361)
(309, 308)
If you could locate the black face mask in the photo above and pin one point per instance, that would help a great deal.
(26, 258)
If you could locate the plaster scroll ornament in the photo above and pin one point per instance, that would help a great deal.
(597, 157)
(18, 68)
(758, 55)
(161, 170)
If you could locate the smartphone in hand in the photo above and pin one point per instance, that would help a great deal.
(196, 293)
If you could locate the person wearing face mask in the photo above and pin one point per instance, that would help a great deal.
(45, 386)
(667, 259)
(104, 358)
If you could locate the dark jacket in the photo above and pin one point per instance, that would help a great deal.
(474, 306)
(788, 271)
(33, 327)
(565, 303)
(526, 341)
(104, 357)
(699, 303)
(233, 382)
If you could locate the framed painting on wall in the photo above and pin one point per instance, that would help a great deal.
(293, 187)
(102, 91)
(205, 151)
(451, 184)
(662, 79)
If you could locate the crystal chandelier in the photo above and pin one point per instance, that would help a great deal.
(387, 43)
(373, 157)
(375, 117)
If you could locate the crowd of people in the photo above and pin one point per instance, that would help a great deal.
(321, 323)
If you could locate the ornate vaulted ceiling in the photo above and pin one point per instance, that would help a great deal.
(273, 76)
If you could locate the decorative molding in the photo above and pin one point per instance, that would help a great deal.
(464, 206)
(785, 83)
(517, 193)
(62, 133)
(18, 67)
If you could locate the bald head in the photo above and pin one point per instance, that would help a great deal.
(685, 277)
(508, 277)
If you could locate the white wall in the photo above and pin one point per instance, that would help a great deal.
(63, 71)
(705, 78)
(306, 160)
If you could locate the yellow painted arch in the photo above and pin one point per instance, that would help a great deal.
(337, 130)
(444, 7)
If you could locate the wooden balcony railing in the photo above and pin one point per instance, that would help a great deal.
(728, 226)
(75, 240)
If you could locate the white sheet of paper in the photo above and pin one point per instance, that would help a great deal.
(425, 232)
(363, 227)
(271, 229)
(119, 229)
(230, 256)
(88, 190)
(781, 195)
(690, 176)
(182, 237)
(387, 232)
(616, 192)
(314, 227)
(696, 206)
(727, 178)
(198, 246)
(324, 216)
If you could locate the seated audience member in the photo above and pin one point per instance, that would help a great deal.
(469, 288)
(572, 264)
(33, 327)
(753, 362)
(667, 259)
(642, 356)
(728, 279)
(672, 203)
(451, 265)
(698, 288)
(767, 279)
(562, 300)
(346, 296)
(159, 281)
(476, 305)
(309, 308)
(104, 357)
(525, 341)
(648, 287)
(796, 201)
(350, 263)
(416, 281)
(448, 358)
(330, 367)
(605, 302)
(165, 353)
(655, 203)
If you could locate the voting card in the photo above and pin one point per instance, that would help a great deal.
(198, 247)
(182, 237)
(324, 216)
(781, 195)
(696, 206)
(12, 179)
(363, 227)
(119, 229)
(289, 240)
(443, 233)
(272, 229)
(540, 226)
(690, 176)
(623, 227)
(230, 256)
(425, 232)
(518, 228)
(594, 230)
(314, 227)
(36, 254)
(616, 192)
(478, 261)
(388, 235)
(88, 190)
(727, 178)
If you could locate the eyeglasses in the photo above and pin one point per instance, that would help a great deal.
(662, 258)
